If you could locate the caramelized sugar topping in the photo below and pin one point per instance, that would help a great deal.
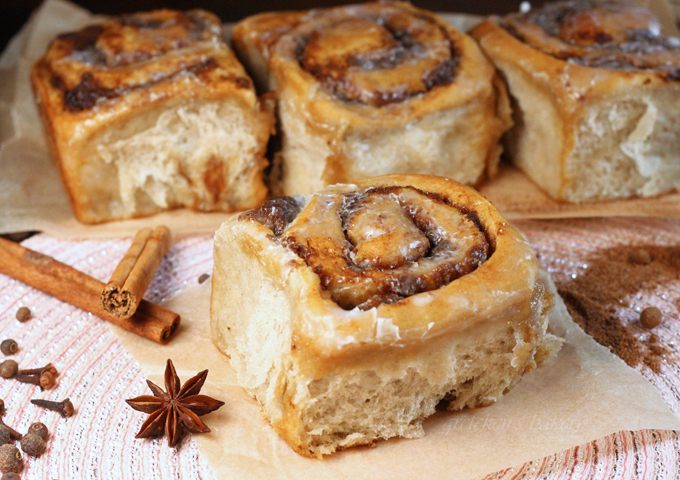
(134, 52)
(380, 245)
(376, 54)
(603, 34)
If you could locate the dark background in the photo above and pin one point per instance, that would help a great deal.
(14, 13)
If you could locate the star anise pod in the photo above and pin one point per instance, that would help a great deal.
(177, 411)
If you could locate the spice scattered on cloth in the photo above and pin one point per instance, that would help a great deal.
(598, 297)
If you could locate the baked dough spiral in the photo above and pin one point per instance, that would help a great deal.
(350, 314)
(150, 112)
(374, 54)
(374, 89)
(379, 244)
(601, 35)
(104, 62)
(595, 88)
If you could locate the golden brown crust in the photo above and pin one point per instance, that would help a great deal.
(463, 61)
(511, 270)
(606, 34)
(253, 38)
(567, 57)
(102, 76)
(352, 83)
(305, 358)
(264, 29)
(139, 59)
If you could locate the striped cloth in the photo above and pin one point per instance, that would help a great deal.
(96, 371)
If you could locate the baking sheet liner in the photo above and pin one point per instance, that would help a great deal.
(32, 196)
(583, 394)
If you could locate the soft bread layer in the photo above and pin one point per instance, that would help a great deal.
(451, 129)
(357, 406)
(586, 134)
(179, 155)
(626, 146)
(329, 378)
(150, 112)
(460, 143)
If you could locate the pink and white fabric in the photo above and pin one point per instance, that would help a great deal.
(98, 373)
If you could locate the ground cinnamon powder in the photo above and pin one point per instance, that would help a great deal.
(596, 299)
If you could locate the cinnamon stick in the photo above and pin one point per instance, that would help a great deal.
(134, 273)
(77, 288)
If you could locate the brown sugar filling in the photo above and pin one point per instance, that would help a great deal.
(381, 245)
(122, 43)
(601, 35)
(378, 58)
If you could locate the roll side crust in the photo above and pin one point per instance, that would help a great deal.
(560, 107)
(317, 353)
(87, 99)
(451, 130)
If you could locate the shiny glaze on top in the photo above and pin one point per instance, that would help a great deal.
(376, 53)
(605, 35)
(379, 245)
(131, 52)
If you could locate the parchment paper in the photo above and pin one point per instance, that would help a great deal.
(33, 198)
(583, 394)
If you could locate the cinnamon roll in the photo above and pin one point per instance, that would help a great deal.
(595, 89)
(351, 313)
(372, 89)
(150, 112)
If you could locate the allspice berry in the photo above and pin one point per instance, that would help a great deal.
(39, 429)
(33, 444)
(5, 436)
(10, 476)
(640, 257)
(9, 347)
(8, 368)
(23, 314)
(650, 317)
(10, 459)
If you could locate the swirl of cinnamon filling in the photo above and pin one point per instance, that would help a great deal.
(131, 53)
(374, 54)
(378, 245)
(603, 34)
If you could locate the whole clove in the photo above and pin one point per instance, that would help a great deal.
(45, 380)
(64, 408)
(39, 371)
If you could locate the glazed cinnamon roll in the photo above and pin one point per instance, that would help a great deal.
(150, 112)
(351, 313)
(372, 89)
(596, 88)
